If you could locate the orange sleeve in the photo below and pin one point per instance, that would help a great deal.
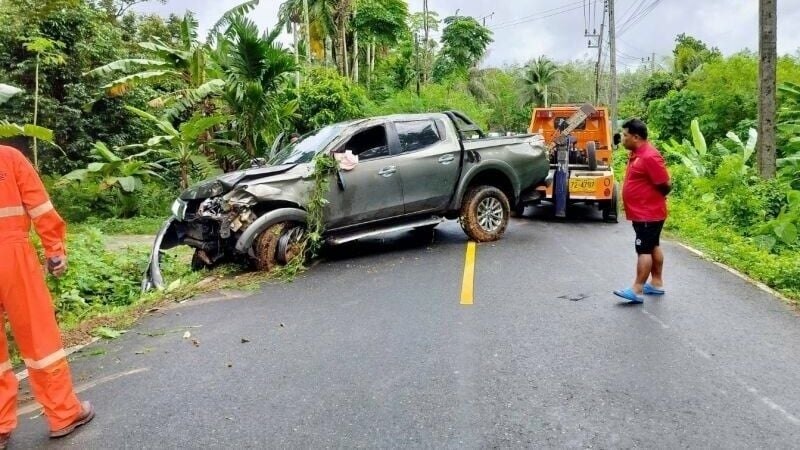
(48, 224)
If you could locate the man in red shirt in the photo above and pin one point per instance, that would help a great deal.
(644, 194)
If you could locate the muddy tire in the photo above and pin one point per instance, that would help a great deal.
(485, 213)
(265, 247)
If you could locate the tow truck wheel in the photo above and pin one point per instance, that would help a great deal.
(591, 155)
(485, 213)
(519, 211)
(611, 209)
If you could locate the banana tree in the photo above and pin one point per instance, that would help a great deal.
(8, 129)
(110, 170)
(694, 154)
(188, 62)
(182, 146)
(747, 150)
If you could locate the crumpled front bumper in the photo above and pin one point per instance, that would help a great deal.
(168, 237)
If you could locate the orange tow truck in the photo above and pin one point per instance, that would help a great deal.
(580, 159)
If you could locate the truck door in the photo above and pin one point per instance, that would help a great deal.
(428, 163)
(371, 190)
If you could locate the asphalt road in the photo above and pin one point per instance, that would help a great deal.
(371, 348)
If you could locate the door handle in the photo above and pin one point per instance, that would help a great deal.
(446, 159)
(387, 171)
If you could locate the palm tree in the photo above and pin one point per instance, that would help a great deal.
(255, 68)
(540, 78)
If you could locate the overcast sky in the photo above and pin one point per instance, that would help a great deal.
(525, 29)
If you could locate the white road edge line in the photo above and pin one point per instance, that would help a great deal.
(33, 405)
(24, 373)
(744, 277)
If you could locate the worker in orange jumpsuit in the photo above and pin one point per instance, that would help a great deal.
(24, 298)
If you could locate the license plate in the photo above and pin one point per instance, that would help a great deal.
(582, 185)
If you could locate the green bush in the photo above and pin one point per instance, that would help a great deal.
(435, 98)
(779, 270)
(82, 201)
(671, 114)
(99, 280)
(327, 97)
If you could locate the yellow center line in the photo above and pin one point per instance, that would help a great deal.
(469, 275)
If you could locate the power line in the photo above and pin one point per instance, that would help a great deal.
(539, 13)
(531, 19)
(625, 17)
(625, 55)
(641, 16)
(632, 47)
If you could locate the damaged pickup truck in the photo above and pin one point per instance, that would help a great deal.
(395, 173)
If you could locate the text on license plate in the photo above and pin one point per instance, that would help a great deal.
(581, 185)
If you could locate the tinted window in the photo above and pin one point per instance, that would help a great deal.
(417, 134)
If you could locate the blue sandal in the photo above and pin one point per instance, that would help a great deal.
(629, 295)
(649, 289)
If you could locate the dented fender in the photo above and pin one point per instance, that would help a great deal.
(168, 237)
(267, 220)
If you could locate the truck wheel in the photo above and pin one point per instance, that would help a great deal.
(265, 247)
(485, 213)
(199, 262)
(591, 155)
(611, 209)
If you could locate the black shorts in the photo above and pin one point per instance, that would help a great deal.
(648, 236)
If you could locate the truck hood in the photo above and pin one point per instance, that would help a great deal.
(223, 184)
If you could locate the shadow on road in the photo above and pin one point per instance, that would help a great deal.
(577, 213)
(411, 241)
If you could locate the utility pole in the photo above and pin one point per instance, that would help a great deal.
(484, 17)
(767, 54)
(653, 63)
(612, 37)
(599, 67)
